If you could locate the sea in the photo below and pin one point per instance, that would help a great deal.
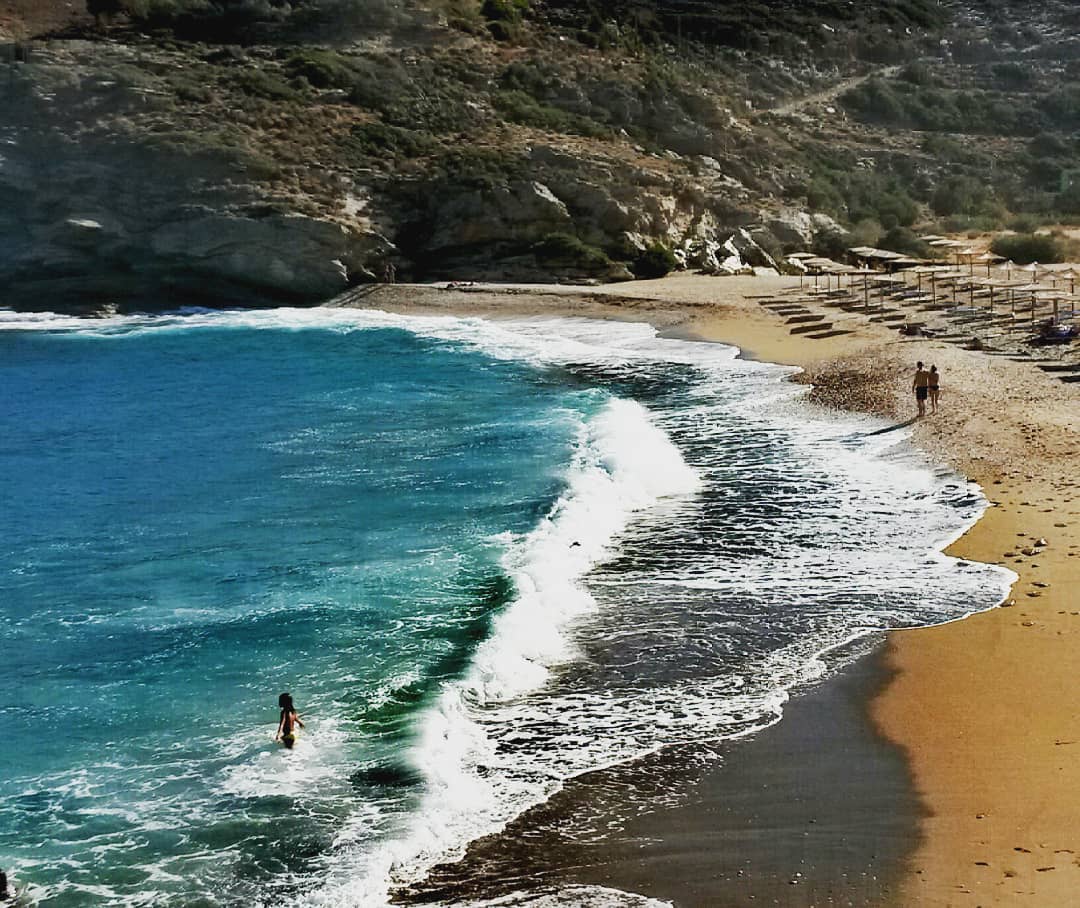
(484, 556)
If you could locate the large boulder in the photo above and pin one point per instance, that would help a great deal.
(739, 254)
(792, 227)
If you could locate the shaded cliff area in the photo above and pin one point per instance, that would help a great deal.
(172, 152)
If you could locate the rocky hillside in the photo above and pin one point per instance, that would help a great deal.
(237, 151)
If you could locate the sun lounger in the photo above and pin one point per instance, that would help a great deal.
(827, 334)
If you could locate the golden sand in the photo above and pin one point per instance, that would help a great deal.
(986, 709)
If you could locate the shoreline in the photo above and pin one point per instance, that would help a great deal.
(979, 707)
(753, 819)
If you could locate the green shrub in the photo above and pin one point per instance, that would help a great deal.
(1025, 248)
(476, 167)
(380, 140)
(1012, 76)
(1068, 200)
(323, 68)
(959, 195)
(504, 10)
(1048, 145)
(191, 88)
(944, 148)
(1023, 223)
(832, 244)
(1063, 106)
(504, 17)
(104, 9)
(967, 223)
(564, 250)
(917, 74)
(866, 232)
(902, 239)
(822, 195)
(519, 107)
(1044, 173)
(862, 194)
(655, 261)
(914, 106)
(261, 84)
(200, 20)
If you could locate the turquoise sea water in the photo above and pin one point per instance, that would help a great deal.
(482, 556)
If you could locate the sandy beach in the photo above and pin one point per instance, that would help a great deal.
(982, 709)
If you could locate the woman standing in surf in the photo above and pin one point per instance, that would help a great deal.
(286, 730)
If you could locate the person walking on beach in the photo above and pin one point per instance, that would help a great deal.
(921, 386)
(933, 385)
(287, 724)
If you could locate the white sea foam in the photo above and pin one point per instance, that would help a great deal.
(475, 783)
(570, 897)
(261, 770)
(623, 464)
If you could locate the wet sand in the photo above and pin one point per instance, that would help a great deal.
(983, 710)
(817, 809)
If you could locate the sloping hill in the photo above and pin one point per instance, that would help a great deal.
(244, 151)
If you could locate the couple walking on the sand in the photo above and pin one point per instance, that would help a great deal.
(926, 386)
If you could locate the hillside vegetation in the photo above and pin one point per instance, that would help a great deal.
(251, 149)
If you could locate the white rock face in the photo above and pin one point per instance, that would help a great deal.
(293, 254)
(792, 226)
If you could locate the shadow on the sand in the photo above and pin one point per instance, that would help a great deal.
(899, 425)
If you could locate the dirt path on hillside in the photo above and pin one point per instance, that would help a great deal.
(831, 93)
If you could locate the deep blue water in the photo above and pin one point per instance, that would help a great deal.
(195, 520)
(482, 558)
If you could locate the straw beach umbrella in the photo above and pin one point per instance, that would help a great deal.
(919, 273)
(968, 254)
(989, 259)
(883, 281)
(991, 285)
(1034, 291)
(1065, 274)
(1032, 269)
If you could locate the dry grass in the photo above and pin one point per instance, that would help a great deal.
(21, 19)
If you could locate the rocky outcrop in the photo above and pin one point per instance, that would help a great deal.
(285, 255)
(79, 231)
(517, 214)
(733, 252)
(86, 263)
(796, 228)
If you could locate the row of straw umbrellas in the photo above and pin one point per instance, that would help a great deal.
(1037, 286)
(977, 291)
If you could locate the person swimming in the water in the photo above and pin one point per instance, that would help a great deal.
(286, 730)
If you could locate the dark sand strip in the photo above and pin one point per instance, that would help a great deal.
(815, 810)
